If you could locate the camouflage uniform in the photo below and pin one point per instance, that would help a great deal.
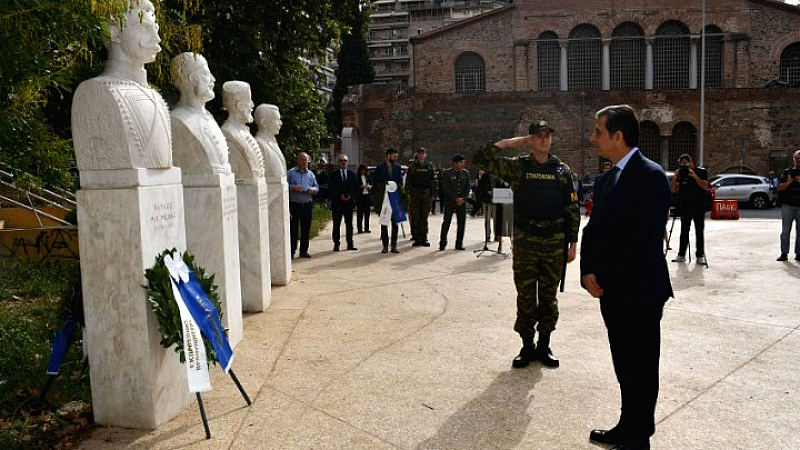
(422, 184)
(546, 220)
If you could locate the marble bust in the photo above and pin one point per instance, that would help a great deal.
(199, 145)
(268, 119)
(118, 121)
(245, 155)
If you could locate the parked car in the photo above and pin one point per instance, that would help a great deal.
(750, 189)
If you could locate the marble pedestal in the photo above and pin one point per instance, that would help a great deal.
(254, 253)
(212, 236)
(280, 253)
(127, 217)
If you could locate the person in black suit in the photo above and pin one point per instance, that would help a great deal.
(623, 265)
(363, 199)
(342, 186)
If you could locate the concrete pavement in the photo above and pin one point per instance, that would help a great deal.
(413, 351)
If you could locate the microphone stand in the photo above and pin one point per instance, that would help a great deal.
(488, 228)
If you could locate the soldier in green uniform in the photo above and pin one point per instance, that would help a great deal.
(546, 223)
(422, 186)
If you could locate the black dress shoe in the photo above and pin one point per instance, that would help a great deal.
(336, 247)
(395, 250)
(612, 436)
(305, 255)
(546, 356)
(385, 250)
(524, 358)
(460, 247)
(425, 244)
(441, 248)
(783, 257)
(416, 244)
(350, 247)
(633, 445)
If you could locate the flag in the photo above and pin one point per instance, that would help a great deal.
(391, 208)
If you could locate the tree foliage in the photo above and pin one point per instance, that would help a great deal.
(353, 65)
(47, 47)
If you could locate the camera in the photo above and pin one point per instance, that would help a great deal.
(794, 172)
(683, 173)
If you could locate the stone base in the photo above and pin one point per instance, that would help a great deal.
(212, 236)
(254, 256)
(280, 249)
(136, 383)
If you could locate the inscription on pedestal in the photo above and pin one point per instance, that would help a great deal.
(229, 203)
(263, 198)
(163, 216)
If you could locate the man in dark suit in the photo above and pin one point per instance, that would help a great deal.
(342, 186)
(623, 265)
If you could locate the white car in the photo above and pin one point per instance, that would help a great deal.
(745, 188)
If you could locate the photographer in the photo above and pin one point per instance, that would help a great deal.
(690, 183)
(789, 196)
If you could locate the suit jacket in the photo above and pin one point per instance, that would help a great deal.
(337, 187)
(452, 186)
(622, 243)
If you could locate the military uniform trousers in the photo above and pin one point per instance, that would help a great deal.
(419, 211)
(461, 223)
(538, 263)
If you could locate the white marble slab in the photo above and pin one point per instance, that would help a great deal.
(136, 383)
(280, 251)
(254, 251)
(212, 236)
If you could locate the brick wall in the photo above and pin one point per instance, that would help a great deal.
(745, 123)
(764, 120)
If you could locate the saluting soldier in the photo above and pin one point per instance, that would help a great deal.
(422, 186)
(546, 223)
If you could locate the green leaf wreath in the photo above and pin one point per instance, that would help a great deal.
(159, 292)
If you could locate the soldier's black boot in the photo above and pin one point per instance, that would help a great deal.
(543, 352)
(526, 354)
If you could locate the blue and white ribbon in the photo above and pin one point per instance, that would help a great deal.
(193, 347)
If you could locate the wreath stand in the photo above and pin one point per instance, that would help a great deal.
(203, 409)
(160, 294)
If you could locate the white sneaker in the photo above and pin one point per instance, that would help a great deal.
(702, 260)
(679, 258)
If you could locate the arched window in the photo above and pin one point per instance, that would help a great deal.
(650, 140)
(584, 59)
(683, 140)
(713, 57)
(671, 56)
(548, 58)
(470, 73)
(628, 55)
(790, 65)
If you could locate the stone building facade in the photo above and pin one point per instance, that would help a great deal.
(488, 77)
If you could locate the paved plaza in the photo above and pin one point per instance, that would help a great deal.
(364, 350)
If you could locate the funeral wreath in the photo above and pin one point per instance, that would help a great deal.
(165, 307)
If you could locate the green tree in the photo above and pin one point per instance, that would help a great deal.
(47, 47)
(270, 44)
(353, 65)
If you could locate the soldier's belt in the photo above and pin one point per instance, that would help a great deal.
(539, 228)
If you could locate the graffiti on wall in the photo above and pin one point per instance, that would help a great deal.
(39, 244)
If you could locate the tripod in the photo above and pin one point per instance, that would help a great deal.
(488, 229)
(675, 215)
